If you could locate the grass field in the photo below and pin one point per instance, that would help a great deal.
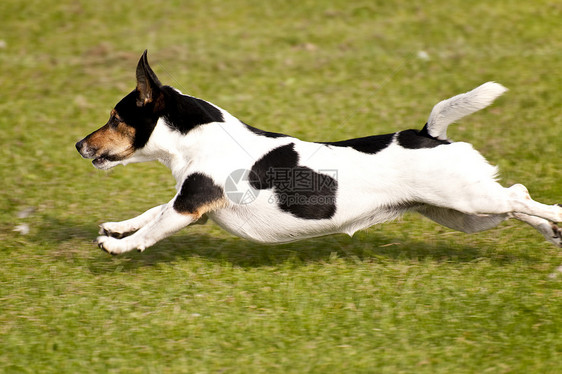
(403, 297)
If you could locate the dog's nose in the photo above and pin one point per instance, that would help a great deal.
(79, 146)
(84, 150)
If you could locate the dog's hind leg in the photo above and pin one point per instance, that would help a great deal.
(471, 223)
(125, 228)
(481, 208)
(522, 205)
(453, 219)
(549, 230)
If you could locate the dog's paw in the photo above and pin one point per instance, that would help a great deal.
(559, 212)
(111, 245)
(114, 230)
(115, 246)
(556, 237)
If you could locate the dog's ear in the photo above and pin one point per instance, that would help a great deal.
(148, 84)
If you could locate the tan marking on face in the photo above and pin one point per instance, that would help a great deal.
(114, 140)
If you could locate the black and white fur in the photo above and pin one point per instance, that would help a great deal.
(355, 184)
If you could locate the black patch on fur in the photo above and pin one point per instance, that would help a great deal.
(370, 144)
(425, 132)
(196, 191)
(264, 133)
(299, 190)
(142, 119)
(283, 157)
(184, 113)
(413, 139)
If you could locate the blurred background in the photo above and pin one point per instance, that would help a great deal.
(318, 70)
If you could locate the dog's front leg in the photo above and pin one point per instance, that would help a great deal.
(198, 195)
(166, 222)
(124, 228)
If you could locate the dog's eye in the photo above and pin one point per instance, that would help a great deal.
(113, 122)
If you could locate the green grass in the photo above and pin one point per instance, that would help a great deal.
(403, 297)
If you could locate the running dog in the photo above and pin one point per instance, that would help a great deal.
(274, 188)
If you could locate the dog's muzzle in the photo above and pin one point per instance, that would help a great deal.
(100, 161)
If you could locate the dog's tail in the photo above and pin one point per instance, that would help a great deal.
(453, 109)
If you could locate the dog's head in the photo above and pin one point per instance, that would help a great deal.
(130, 124)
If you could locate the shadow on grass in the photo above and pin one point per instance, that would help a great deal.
(75, 239)
(238, 252)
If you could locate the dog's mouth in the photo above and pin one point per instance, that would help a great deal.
(104, 161)
(99, 161)
(103, 158)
